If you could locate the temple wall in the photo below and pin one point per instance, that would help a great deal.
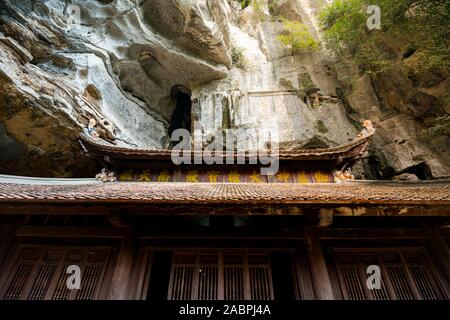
(124, 262)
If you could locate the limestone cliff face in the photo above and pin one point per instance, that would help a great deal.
(122, 59)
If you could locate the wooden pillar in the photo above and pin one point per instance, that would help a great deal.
(319, 271)
(439, 248)
(7, 241)
(120, 289)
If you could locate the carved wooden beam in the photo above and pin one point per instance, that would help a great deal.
(325, 217)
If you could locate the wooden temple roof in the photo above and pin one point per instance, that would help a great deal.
(136, 193)
(101, 148)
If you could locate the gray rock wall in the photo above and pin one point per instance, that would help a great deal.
(122, 58)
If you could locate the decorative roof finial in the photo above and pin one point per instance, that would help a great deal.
(90, 130)
(367, 129)
(344, 175)
(106, 176)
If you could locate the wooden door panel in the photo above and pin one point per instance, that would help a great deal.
(39, 273)
(221, 276)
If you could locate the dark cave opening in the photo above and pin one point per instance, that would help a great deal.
(422, 171)
(376, 169)
(181, 117)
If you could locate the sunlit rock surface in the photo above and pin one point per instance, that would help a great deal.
(120, 63)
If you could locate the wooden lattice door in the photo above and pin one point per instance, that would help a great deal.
(40, 274)
(204, 276)
(406, 274)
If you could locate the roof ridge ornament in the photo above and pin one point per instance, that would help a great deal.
(367, 130)
(106, 176)
(344, 175)
(90, 129)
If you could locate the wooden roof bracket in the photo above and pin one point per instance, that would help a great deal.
(325, 217)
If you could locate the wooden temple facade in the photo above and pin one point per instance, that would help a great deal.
(196, 232)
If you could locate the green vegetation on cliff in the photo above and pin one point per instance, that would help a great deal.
(408, 27)
(297, 37)
(238, 58)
